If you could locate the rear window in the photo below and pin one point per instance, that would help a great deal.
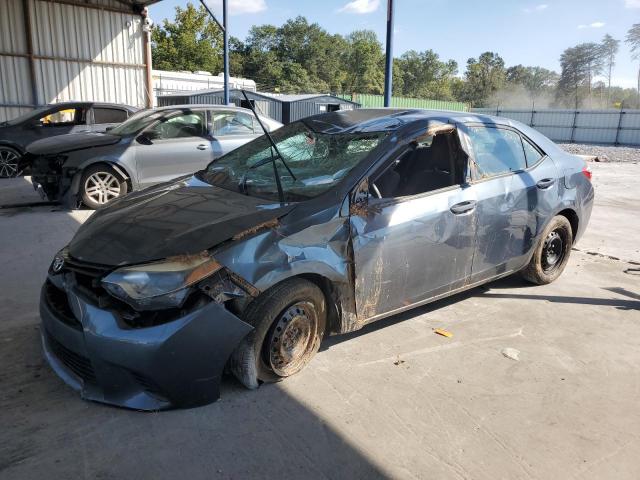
(109, 115)
(532, 153)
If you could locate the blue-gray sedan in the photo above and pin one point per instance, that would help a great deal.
(333, 222)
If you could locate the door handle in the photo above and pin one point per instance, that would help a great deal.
(463, 207)
(202, 146)
(545, 183)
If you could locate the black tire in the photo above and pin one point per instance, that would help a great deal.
(277, 328)
(9, 162)
(552, 252)
(96, 195)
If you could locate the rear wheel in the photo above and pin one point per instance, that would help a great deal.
(289, 321)
(100, 184)
(552, 252)
(9, 162)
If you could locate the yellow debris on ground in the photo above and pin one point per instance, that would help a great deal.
(444, 333)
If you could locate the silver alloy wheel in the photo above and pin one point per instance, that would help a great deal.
(102, 187)
(8, 163)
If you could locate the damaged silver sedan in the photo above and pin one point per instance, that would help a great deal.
(333, 222)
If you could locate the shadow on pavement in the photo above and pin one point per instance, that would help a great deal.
(47, 431)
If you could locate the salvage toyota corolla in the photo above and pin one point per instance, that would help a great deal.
(323, 226)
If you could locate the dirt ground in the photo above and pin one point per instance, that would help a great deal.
(393, 400)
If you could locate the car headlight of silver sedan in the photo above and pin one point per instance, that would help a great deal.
(161, 284)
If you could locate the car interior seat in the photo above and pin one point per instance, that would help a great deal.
(431, 167)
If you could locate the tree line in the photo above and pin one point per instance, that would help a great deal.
(302, 57)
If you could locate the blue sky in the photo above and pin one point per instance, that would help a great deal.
(521, 31)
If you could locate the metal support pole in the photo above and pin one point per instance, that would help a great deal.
(26, 10)
(225, 45)
(388, 74)
(573, 128)
(146, 32)
(622, 112)
(225, 51)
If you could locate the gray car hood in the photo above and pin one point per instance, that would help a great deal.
(70, 142)
(182, 217)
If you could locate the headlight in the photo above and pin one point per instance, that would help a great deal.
(161, 284)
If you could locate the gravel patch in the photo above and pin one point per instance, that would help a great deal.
(604, 153)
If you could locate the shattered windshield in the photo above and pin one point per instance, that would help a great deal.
(318, 161)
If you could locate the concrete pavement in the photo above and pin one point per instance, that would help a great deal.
(393, 400)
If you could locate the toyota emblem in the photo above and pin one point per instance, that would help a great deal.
(57, 264)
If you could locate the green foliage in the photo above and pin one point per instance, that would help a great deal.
(580, 64)
(302, 57)
(484, 77)
(191, 42)
(633, 39)
(424, 75)
(364, 63)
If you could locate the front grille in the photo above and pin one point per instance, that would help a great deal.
(91, 270)
(87, 279)
(58, 303)
(78, 364)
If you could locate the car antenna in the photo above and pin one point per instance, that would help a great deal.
(266, 132)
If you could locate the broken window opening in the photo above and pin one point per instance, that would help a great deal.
(431, 163)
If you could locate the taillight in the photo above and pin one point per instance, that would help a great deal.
(586, 171)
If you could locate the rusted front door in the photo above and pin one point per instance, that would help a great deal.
(409, 249)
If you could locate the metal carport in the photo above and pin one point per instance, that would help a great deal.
(57, 50)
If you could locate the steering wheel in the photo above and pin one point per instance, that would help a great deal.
(376, 191)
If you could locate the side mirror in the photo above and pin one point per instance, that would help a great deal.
(144, 139)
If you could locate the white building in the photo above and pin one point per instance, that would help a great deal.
(171, 83)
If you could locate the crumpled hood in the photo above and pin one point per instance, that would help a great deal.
(185, 216)
(70, 142)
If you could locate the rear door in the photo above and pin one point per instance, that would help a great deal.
(540, 182)
(508, 200)
(103, 117)
(176, 145)
(231, 128)
(410, 248)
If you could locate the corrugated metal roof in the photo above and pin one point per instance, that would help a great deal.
(281, 97)
(294, 98)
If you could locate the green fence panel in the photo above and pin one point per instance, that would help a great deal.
(370, 101)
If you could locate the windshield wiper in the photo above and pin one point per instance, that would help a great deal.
(274, 147)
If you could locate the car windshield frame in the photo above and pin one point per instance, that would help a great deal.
(249, 169)
(28, 115)
(138, 122)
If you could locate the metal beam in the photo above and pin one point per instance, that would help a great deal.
(225, 45)
(26, 10)
(225, 51)
(388, 72)
(76, 60)
(146, 32)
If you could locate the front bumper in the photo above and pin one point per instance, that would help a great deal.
(176, 364)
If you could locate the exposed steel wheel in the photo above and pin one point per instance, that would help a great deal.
(290, 345)
(553, 251)
(551, 255)
(9, 162)
(289, 319)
